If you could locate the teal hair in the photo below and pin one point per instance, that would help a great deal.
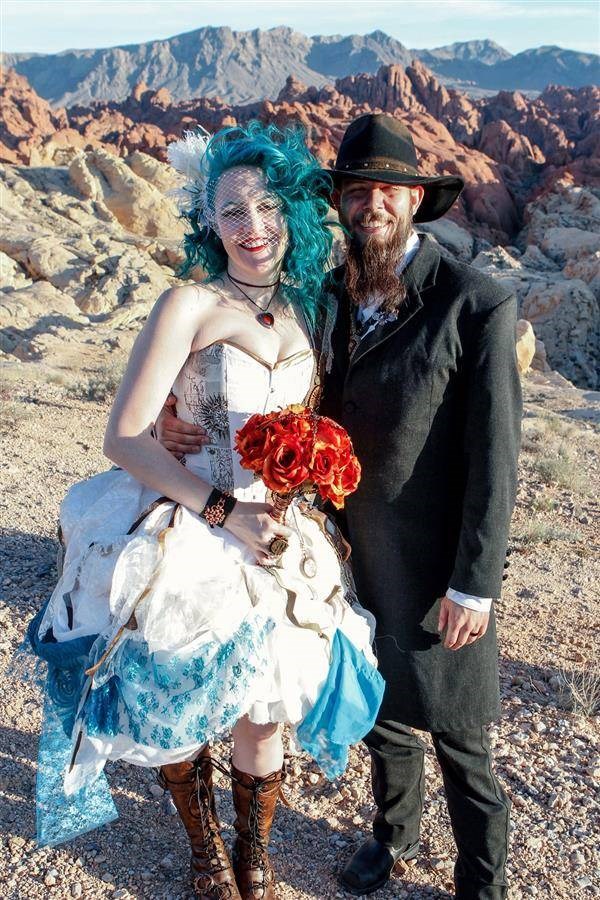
(293, 173)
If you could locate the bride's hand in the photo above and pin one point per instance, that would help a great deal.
(252, 524)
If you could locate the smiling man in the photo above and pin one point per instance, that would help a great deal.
(425, 380)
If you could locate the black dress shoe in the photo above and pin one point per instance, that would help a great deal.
(371, 866)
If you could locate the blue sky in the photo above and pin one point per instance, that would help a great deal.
(53, 25)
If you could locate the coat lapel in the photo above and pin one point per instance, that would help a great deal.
(418, 276)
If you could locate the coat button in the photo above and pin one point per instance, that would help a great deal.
(349, 406)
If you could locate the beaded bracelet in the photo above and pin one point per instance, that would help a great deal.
(217, 508)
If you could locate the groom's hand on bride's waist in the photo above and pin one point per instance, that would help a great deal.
(462, 625)
(175, 435)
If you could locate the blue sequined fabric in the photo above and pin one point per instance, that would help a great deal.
(59, 817)
(169, 702)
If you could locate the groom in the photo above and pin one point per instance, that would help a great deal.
(424, 378)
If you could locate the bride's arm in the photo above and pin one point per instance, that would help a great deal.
(156, 359)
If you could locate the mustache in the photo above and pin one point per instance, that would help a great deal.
(370, 219)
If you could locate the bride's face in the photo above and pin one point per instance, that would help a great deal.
(250, 223)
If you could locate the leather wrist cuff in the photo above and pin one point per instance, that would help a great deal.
(217, 508)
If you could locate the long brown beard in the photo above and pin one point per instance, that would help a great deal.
(371, 269)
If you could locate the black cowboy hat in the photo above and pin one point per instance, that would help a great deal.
(378, 147)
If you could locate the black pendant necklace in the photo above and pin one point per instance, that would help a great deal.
(264, 317)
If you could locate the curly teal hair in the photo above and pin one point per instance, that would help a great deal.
(293, 173)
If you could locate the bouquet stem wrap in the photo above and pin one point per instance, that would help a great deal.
(281, 504)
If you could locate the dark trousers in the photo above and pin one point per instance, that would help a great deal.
(478, 806)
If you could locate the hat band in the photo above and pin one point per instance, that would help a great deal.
(378, 162)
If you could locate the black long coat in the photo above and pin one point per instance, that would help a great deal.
(432, 402)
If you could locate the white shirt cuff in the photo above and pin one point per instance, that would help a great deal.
(479, 604)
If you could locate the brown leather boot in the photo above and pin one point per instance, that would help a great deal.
(254, 799)
(191, 787)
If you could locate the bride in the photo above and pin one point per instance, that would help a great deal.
(184, 610)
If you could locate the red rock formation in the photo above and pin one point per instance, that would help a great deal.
(500, 142)
(389, 90)
(25, 119)
(505, 147)
(556, 123)
(461, 115)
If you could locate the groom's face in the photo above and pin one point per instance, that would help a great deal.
(379, 218)
(374, 211)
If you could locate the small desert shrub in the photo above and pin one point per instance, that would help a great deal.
(98, 386)
(59, 378)
(533, 435)
(580, 691)
(555, 425)
(560, 469)
(544, 503)
(542, 533)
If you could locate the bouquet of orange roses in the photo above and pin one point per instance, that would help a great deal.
(295, 451)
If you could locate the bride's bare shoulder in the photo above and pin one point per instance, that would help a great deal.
(184, 299)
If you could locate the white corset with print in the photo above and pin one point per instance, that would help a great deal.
(219, 388)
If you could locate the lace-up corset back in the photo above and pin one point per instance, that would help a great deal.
(219, 388)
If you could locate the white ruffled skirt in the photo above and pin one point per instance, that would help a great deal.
(189, 633)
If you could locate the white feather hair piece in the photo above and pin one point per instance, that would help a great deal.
(186, 156)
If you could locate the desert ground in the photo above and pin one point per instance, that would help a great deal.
(546, 744)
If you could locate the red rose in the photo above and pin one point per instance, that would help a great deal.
(285, 466)
(332, 436)
(345, 482)
(329, 432)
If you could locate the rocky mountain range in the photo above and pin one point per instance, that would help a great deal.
(486, 52)
(505, 147)
(486, 66)
(245, 66)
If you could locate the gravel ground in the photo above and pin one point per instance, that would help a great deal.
(546, 744)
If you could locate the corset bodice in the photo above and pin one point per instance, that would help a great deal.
(219, 388)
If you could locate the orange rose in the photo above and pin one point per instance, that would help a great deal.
(350, 476)
(324, 464)
(285, 466)
(298, 426)
(331, 435)
(344, 482)
(253, 442)
(329, 432)
(333, 493)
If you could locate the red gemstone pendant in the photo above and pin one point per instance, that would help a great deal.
(266, 319)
